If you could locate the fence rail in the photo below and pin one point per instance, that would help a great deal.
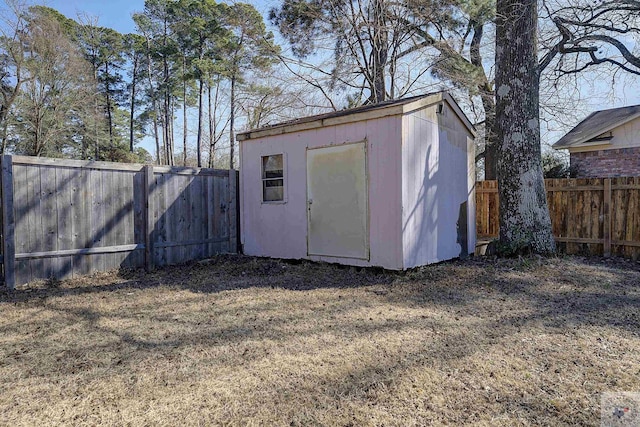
(599, 216)
(65, 218)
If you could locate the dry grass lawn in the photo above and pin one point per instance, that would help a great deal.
(244, 341)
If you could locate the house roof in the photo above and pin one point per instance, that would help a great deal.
(365, 112)
(596, 124)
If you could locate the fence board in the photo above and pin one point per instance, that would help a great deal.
(83, 219)
(191, 205)
(160, 229)
(98, 223)
(231, 212)
(598, 216)
(22, 228)
(35, 230)
(75, 217)
(144, 206)
(8, 224)
(63, 232)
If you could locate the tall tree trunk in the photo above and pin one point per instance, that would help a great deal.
(172, 139)
(211, 133)
(154, 102)
(36, 134)
(524, 215)
(168, 109)
(156, 134)
(488, 103)
(184, 110)
(168, 119)
(133, 101)
(213, 138)
(5, 127)
(165, 129)
(168, 112)
(157, 138)
(96, 112)
(490, 140)
(107, 90)
(231, 122)
(199, 140)
(95, 129)
(380, 52)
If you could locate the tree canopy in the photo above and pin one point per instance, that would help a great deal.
(195, 71)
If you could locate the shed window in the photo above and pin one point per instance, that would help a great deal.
(273, 178)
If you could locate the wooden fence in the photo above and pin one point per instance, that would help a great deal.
(65, 218)
(599, 216)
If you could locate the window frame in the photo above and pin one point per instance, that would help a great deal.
(284, 179)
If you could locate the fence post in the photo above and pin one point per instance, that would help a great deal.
(233, 211)
(608, 217)
(148, 217)
(8, 224)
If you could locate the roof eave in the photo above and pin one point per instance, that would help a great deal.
(390, 110)
(583, 140)
(439, 97)
(386, 111)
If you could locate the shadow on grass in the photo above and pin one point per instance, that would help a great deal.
(221, 273)
(493, 302)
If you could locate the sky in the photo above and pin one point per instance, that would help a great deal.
(114, 14)
(117, 14)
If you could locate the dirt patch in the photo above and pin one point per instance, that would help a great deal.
(246, 341)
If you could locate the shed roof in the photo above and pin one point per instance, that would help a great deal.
(365, 112)
(596, 124)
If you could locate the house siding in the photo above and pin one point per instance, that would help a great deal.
(606, 163)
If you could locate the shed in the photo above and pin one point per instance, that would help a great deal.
(388, 185)
(605, 144)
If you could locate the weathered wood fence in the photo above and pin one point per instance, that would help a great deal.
(66, 218)
(599, 216)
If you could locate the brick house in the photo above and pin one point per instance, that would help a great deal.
(605, 144)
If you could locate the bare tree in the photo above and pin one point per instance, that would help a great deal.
(12, 59)
(591, 33)
(272, 98)
(374, 43)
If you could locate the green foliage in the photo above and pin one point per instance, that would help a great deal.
(555, 165)
(301, 22)
(91, 92)
(479, 11)
(68, 26)
(452, 67)
(248, 44)
(52, 106)
(511, 249)
(199, 32)
(121, 153)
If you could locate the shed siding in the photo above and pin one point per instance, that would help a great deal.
(280, 230)
(437, 177)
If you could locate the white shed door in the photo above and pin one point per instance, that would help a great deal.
(337, 201)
